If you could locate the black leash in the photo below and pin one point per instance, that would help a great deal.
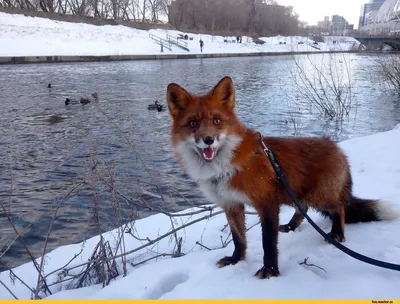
(338, 245)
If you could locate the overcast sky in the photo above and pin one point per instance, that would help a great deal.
(313, 11)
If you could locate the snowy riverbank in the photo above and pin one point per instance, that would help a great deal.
(376, 174)
(32, 36)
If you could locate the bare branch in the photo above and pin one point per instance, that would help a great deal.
(152, 258)
(200, 244)
(42, 279)
(305, 262)
(8, 289)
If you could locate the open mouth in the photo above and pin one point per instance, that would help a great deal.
(208, 153)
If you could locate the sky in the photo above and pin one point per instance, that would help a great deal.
(313, 11)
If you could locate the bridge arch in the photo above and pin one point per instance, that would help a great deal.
(374, 42)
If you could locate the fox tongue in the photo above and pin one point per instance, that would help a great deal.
(208, 153)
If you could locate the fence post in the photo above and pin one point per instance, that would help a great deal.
(162, 47)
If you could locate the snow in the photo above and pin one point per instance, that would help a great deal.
(376, 174)
(32, 36)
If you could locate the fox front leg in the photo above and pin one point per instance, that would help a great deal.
(236, 220)
(269, 226)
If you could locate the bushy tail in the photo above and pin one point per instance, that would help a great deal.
(364, 210)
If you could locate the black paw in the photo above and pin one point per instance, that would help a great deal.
(228, 260)
(337, 237)
(267, 272)
(285, 228)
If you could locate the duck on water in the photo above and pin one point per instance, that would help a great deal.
(82, 100)
(156, 106)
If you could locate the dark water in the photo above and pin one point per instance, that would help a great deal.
(48, 149)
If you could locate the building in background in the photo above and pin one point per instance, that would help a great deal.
(380, 17)
(363, 12)
(324, 26)
(369, 12)
(337, 26)
(375, 5)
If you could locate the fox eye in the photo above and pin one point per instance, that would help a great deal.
(193, 123)
(217, 121)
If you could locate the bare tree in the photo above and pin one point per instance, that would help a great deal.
(325, 85)
(260, 17)
(389, 68)
(255, 17)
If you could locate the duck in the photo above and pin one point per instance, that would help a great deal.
(82, 100)
(68, 101)
(49, 85)
(156, 106)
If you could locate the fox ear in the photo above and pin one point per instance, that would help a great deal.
(177, 98)
(225, 92)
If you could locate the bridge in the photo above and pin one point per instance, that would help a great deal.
(376, 41)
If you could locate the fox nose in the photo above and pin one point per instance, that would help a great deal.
(208, 140)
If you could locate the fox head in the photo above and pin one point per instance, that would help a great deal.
(205, 129)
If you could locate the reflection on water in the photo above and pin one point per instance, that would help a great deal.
(48, 148)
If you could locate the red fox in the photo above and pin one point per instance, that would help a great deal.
(227, 161)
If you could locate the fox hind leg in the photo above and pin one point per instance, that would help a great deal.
(338, 218)
(236, 220)
(338, 212)
(295, 222)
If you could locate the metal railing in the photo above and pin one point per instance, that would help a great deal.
(165, 43)
(178, 42)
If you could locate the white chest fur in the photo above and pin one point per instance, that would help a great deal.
(213, 177)
(219, 192)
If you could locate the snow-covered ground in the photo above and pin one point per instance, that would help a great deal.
(376, 174)
(32, 36)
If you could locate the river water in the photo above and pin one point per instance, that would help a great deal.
(67, 156)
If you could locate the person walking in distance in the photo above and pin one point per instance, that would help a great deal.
(201, 45)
